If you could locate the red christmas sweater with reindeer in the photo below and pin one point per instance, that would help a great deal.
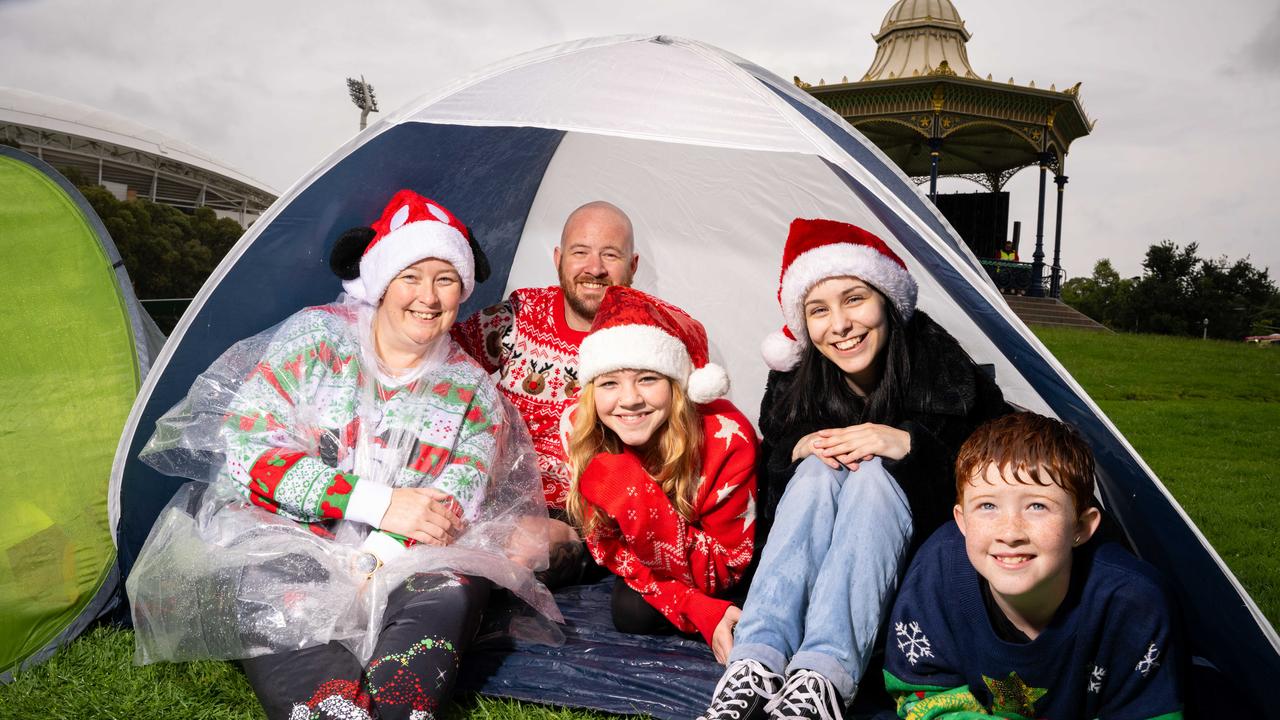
(528, 342)
(679, 565)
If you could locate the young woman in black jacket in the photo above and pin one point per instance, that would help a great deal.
(867, 404)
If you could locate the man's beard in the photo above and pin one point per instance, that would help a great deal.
(581, 307)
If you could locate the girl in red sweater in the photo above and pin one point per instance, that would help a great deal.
(664, 472)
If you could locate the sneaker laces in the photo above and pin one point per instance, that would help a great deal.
(806, 694)
(742, 682)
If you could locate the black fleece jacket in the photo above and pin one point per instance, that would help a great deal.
(947, 398)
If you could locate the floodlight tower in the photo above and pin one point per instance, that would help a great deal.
(362, 95)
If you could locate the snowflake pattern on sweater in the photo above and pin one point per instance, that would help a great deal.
(528, 342)
(1102, 655)
(678, 565)
(292, 439)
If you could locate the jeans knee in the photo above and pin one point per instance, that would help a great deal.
(814, 479)
(872, 491)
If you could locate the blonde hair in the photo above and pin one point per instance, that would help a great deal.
(674, 461)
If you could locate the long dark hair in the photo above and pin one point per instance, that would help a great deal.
(818, 393)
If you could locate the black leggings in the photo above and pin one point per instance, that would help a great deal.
(632, 615)
(429, 621)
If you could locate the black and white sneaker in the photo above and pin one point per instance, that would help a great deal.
(807, 695)
(743, 692)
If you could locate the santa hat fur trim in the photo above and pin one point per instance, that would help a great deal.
(636, 331)
(412, 228)
(836, 250)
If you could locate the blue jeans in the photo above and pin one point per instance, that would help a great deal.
(827, 574)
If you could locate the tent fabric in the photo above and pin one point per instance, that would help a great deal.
(75, 352)
(596, 666)
(712, 157)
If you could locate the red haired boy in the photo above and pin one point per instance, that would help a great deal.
(1012, 611)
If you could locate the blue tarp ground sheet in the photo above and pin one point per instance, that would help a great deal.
(597, 667)
(669, 677)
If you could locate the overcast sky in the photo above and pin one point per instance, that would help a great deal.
(1186, 94)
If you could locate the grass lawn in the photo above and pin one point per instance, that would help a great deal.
(1204, 414)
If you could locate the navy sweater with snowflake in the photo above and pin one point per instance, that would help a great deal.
(1110, 651)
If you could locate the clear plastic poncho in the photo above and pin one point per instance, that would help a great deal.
(281, 430)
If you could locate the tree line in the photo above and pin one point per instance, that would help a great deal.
(1178, 293)
(167, 252)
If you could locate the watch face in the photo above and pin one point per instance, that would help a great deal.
(366, 563)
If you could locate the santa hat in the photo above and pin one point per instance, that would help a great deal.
(412, 228)
(636, 331)
(820, 249)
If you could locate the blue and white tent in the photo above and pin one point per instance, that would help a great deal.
(711, 156)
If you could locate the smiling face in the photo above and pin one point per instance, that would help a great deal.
(419, 306)
(634, 404)
(1019, 536)
(847, 321)
(595, 252)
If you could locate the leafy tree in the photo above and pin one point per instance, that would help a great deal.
(1176, 293)
(1162, 299)
(1102, 297)
(1234, 297)
(167, 252)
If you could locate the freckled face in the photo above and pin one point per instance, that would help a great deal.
(1019, 536)
(847, 322)
(634, 404)
(420, 304)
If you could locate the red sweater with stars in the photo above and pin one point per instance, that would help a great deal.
(675, 564)
(528, 342)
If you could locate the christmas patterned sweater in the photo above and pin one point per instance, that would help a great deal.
(528, 342)
(1110, 651)
(311, 411)
(678, 565)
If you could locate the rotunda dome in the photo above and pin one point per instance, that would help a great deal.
(920, 37)
(916, 13)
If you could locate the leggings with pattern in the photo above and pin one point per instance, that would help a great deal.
(429, 620)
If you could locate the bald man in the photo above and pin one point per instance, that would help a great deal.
(531, 340)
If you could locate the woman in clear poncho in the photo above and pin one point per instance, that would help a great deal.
(366, 486)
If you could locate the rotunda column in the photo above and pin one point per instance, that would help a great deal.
(1037, 261)
(935, 153)
(1055, 282)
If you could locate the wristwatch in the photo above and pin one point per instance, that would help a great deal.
(366, 563)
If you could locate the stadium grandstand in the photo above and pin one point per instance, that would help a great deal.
(130, 160)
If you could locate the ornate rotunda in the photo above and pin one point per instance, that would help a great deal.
(925, 107)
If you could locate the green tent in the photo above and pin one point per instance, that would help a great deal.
(75, 352)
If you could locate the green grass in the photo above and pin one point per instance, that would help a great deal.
(95, 677)
(1204, 415)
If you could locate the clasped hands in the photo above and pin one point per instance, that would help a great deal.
(852, 445)
(424, 514)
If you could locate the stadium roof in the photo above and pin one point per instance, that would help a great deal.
(118, 151)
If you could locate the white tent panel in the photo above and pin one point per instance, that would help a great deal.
(700, 97)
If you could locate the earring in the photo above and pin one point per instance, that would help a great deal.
(1077, 542)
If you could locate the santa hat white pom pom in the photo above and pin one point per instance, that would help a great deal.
(780, 352)
(708, 383)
